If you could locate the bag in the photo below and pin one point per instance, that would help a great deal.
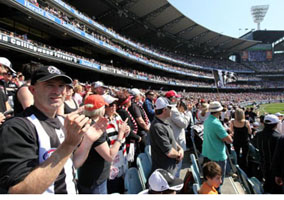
(188, 183)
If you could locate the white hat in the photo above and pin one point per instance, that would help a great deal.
(99, 84)
(255, 124)
(161, 180)
(215, 106)
(109, 99)
(135, 92)
(162, 102)
(4, 61)
(278, 114)
(271, 119)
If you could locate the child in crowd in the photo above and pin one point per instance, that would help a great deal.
(212, 173)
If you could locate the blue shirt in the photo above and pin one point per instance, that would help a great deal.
(213, 147)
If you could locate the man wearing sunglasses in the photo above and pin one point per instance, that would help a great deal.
(165, 151)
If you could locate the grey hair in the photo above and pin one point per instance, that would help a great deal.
(95, 113)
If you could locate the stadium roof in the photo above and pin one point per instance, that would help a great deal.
(267, 37)
(158, 23)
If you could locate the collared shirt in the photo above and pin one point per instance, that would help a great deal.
(213, 147)
(162, 141)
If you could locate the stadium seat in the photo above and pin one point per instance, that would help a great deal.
(195, 175)
(132, 181)
(195, 188)
(244, 179)
(147, 150)
(256, 186)
(194, 163)
(144, 167)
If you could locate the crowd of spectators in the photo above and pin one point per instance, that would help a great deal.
(200, 62)
(275, 65)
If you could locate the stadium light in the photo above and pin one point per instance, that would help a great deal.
(258, 13)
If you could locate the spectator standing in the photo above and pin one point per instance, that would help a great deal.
(94, 172)
(240, 129)
(277, 166)
(140, 116)
(36, 152)
(24, 98)
(99, 87)
(165, 151)
(266, 141)
(179, 120)
(214, 148)
(119, 164)
(149, 105)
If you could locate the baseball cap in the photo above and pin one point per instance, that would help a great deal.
(94, 102)
(172, 93)
(278, 114)
(46, 73)
(99, 84)
(4, 61)
(109, 99)
(161, 180)
(135, 92)
(162, 102)
(271, 119)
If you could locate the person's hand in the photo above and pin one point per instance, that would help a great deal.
(278, 181)
(2, 118)
(181, 154)
(75, 126)
(122, 128)
(97, 129)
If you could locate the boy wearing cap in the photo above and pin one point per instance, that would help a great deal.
(165, 151)
(266, 141)
(36, 151)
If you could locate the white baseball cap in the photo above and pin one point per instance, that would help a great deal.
(109, 99)
(271, 119)
(135, 92)
(278, 114)
(4, 61)
(162, 102)
(161, 180)
(99, 84)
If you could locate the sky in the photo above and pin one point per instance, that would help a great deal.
(231, 17)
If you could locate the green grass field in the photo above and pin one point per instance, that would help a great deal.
(271, 108)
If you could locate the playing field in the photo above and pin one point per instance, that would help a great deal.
(271, 108)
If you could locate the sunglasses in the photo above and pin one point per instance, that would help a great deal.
(169, 107)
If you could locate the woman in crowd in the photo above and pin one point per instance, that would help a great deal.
(240, 128)
(24, 97)
(124, 102)
(78, 89)
(70, 105)
(93, 174)
(119, 165)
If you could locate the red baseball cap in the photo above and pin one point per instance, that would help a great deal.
(172, 93)
(94, 102)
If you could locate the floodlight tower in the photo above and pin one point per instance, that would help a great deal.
(258, 13)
